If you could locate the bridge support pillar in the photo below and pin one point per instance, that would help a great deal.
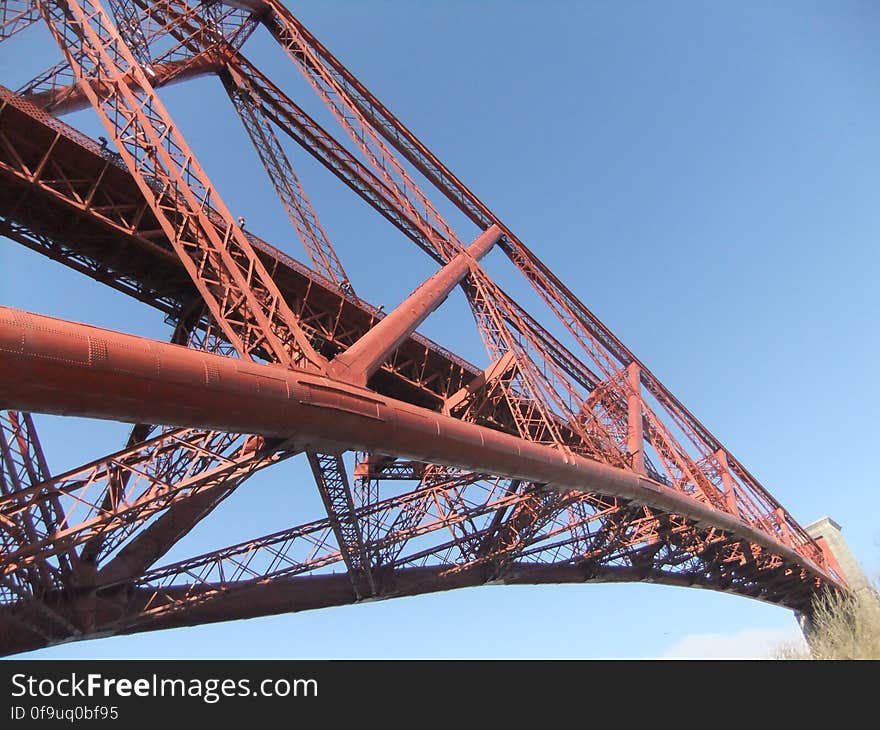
(829, 535)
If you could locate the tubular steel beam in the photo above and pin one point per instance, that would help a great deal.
(635, 437)
(364, 357)
(52, 366)
(69, 99)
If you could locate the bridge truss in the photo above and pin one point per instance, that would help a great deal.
(563, 460)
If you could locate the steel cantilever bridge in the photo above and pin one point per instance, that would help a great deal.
(561, 460)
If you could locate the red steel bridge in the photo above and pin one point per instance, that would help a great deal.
(560, 459)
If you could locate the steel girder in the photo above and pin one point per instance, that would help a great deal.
(547, 465)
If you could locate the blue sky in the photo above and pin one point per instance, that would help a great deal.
(703, 175)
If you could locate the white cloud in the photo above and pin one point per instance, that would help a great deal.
(744, 644)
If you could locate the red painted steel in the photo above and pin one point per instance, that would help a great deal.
(360, 361)
(16, 15)
(64, 368)
(547, 463)
(71, 98)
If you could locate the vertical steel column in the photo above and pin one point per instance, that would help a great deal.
(364, 357)
(729, 494)
(635, 436)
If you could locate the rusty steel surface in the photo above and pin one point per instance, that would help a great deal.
(548, 463)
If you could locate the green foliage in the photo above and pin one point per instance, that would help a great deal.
(844, 626)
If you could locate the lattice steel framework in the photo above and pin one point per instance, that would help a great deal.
(564, 459)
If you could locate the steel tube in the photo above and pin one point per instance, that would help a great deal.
(69, 99)
(365, 356)
(53, 366)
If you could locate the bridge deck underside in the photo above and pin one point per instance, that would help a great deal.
(64, 196)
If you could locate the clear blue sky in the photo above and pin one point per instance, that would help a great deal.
(703, 175)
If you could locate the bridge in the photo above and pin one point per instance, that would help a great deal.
(560, 458)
